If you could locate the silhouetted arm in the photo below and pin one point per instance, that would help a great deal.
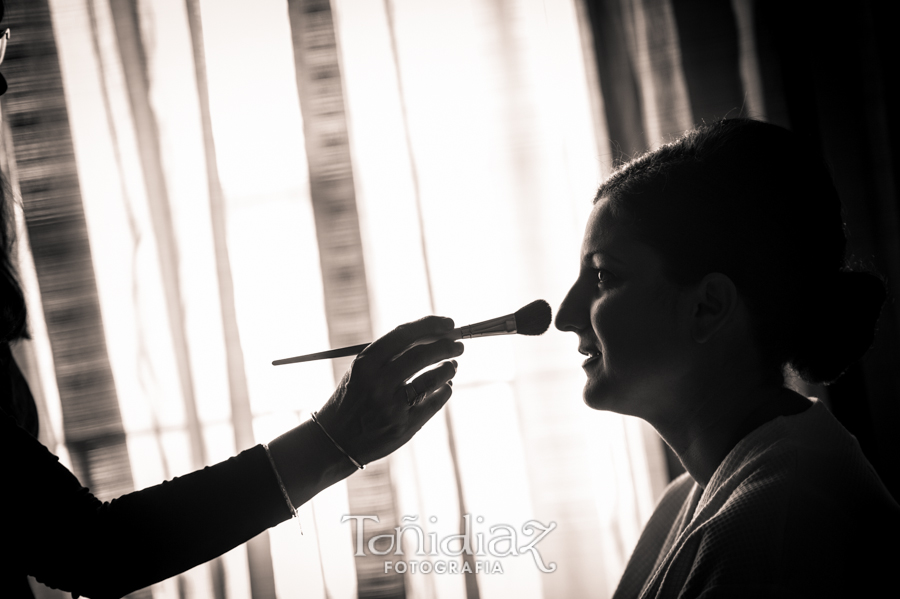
(68, 539)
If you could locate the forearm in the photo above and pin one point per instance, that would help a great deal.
(108, 550)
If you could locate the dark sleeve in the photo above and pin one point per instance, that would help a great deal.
(66, 538)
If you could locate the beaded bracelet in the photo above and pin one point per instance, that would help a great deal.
(355, 463)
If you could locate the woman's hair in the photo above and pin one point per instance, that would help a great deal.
(12, 300)
(753, 201)
(13, 322)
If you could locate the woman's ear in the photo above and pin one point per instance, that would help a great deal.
(715, 301)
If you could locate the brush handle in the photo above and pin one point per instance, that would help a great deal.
(323, 355)
(352, 350)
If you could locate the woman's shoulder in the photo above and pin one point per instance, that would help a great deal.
(822, 462)
(798, 509)
(797, 475)
(800, 498)
(810, 451)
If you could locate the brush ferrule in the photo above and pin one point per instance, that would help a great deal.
(504, 325)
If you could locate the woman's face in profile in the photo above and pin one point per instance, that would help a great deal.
(629, 318)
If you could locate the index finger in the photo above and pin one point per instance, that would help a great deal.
(400, 339)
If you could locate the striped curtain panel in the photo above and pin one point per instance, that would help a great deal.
(210, 185)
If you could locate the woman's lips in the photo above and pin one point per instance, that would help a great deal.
(591, 361)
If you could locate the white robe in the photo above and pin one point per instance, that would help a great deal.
(794, 510)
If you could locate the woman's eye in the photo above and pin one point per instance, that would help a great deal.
(604, 276)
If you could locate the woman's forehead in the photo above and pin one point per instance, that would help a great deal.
(603, 229)
(607, 236)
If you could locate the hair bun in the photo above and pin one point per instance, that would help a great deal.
(841, 331)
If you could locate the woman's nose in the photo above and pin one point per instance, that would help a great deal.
(570, 316)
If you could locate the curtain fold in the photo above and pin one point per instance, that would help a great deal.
(326, 136)
(262, 576)
(710, 58)
(47, 178)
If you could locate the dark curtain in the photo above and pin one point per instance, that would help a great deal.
(830, 75)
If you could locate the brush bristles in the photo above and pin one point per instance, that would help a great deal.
(533, 319)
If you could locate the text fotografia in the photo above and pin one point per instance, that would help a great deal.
(503, 541)
(445, 567)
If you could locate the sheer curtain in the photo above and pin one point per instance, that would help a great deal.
(476, 136)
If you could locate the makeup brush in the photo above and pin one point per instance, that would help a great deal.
(533, 319)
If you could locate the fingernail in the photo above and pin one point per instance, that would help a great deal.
(447, 324)
(455, 364)
(450, 383)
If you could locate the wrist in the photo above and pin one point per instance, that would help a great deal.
(356, 463)
(308, 462)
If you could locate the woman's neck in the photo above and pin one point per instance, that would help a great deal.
(703, 436)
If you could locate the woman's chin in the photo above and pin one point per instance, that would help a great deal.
(593, 404)
(604, 394)
(597, 395)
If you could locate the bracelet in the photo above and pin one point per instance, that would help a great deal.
(280, 482)
(355, 463)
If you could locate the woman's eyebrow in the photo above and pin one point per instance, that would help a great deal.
(605, 256)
